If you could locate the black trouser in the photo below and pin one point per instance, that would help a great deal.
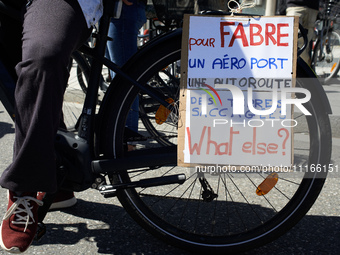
(52, 29)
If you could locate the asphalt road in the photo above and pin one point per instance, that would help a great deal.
(101, 226)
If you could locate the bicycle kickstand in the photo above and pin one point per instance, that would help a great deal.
(42, 211)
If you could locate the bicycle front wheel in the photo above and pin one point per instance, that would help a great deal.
(234, 218)
(326, 57)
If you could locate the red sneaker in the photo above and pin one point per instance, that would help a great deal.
(63, 199)
(20, 222)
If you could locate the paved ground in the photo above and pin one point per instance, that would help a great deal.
(101, 226)
(333, 94)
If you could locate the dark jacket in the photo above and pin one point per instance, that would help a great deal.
(313, 4)
(284, 4)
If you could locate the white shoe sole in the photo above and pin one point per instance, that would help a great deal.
(64, 204)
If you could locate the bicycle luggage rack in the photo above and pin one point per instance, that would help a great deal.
(111, 190)
(152, 158)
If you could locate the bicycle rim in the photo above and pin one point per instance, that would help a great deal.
(238, 219)
(326, 58)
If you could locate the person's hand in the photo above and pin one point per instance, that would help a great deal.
(127, 2)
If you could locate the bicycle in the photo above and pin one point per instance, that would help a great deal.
(193, 212)
(326, 47)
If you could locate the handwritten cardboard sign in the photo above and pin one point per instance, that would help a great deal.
(236, 77)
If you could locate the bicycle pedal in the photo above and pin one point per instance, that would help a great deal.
(41, 231)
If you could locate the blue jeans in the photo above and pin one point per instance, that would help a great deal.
(124, 32)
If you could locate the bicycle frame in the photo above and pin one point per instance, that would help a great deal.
(86, 129)
(80, 146)
(98, 61)
(79, 169)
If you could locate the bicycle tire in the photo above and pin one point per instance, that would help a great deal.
(150, 207)
(335, 71)
(326, 63)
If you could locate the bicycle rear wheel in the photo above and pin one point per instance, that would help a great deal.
(237, 219)
(326, 57)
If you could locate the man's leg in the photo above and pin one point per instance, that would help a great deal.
(51, 31)
(124, 32)
(307, 18)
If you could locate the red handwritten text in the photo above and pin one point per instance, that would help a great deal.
(220, 148)
(209, 42)
(259, 148)
(270, 33)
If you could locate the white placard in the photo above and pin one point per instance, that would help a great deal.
(237, 75)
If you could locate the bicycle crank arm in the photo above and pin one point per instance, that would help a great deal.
(111, 190)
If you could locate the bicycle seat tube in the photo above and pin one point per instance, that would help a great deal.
(86, 126)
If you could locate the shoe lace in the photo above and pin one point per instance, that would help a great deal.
(23, 213)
